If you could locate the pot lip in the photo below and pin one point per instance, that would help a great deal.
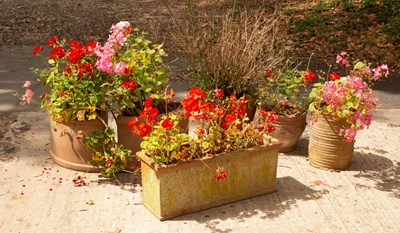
(192, 163)
(294, 115)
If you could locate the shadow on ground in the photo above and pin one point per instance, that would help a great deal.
(269, 206)
(301, 147)
(369, 160)
(386, 179)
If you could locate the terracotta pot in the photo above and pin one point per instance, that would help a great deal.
(288, 130)
(127, 139)
(191, 186)
(327, 149)
(68, 151)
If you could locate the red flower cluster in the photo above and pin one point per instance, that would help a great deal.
(268, 117)
(85, 69)
(333, 76)
(149, 112)
(228, 120)
(192, 103)
(52, 41)
(148, 115)
(171, 93)
(109, 162)
(76, 52)
(197, 108)
(57, 52)
(167, 123)
(221, 174)
(131, 85)
(67, 70)
(143, 129)
(37, 50)
(309, 76)
(219, 93)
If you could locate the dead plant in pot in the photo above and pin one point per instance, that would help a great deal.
(229, 51)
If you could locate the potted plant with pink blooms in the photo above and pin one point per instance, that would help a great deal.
(85, 81)
(341, 107)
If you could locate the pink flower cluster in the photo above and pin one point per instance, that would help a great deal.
(106, 53)
(352, 98)
(364, 71)
(381, 70)
(341, 59)
(27, 97)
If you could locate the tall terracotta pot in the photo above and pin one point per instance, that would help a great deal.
(327, 149)
(125, 136)
(68, 151)
(288, 130)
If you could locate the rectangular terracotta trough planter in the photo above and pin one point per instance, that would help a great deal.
(191, 186)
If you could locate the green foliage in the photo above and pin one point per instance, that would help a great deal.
(149, 73)
(166, 145)
(106, 153)
(285, 90)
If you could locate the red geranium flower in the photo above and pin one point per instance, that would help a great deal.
(85, 68)
(228, 120)
(219, 93)
(68, 70)
(132, 122)
(89, 47)
(197, 93)
(271, 128)
(190, 105)
(57, 52)
(309, 76)
(37, 50)
(75, 55)
(171, 93)
(143, 128)
(52, 41)
(200, 132)
(333, 76)
(75, 44)
(241, 112)
(129, 85)
(221, 174)
(167, 123)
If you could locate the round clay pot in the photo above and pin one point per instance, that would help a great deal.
(288, 130)
(125, 136)
(68, 151)
(327, 149)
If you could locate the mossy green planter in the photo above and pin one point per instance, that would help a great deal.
(191, 186)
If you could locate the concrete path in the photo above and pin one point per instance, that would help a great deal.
(37, 195)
